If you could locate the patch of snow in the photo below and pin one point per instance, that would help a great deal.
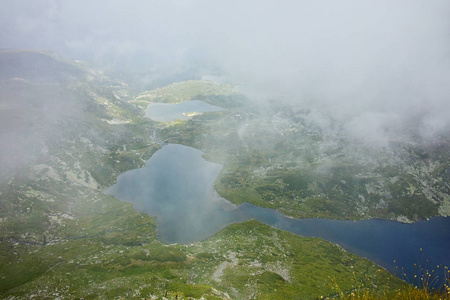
(115, 121)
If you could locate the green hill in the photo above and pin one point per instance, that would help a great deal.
(68, 134)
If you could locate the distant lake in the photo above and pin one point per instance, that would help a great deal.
(165, 112)
(176, 187)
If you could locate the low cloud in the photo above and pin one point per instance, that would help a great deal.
(378, 66)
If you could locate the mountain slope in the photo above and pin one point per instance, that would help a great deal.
(284, 157)
(66, 133)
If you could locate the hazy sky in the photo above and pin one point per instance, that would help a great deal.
(376, 64)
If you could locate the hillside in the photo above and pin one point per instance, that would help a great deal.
(284, 157)
(67, 131)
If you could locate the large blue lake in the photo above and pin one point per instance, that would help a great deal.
(176, 187)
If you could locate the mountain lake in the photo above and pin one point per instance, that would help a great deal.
(176, 187)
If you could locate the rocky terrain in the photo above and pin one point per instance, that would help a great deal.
(67, 131)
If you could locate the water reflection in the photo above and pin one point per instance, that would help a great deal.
(176, 186)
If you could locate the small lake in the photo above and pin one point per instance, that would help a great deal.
(165, 112)
(176, 187)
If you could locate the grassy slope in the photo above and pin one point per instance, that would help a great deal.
(61, 237)
(243, 260)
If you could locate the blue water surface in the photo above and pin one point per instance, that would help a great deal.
(176, 187)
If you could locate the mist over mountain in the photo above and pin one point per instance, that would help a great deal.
(331, 109)
(42, 97)
(34, 99)
(380, 67)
